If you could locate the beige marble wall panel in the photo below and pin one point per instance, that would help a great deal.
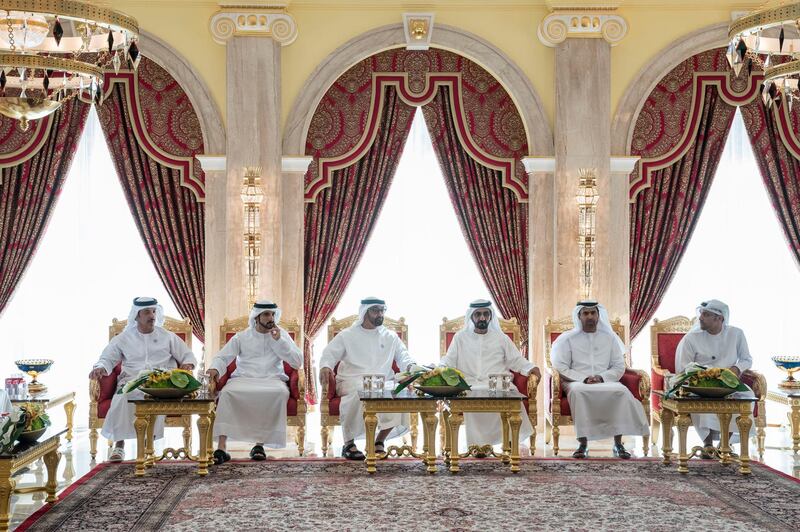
(216, 263)
(292, 219)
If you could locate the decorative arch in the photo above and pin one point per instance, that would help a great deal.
(537, 128)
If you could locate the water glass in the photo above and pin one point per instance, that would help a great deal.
(492, 383)
(506, 383)
(377, 383)
(366, 383)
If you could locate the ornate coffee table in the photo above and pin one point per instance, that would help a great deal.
(406, 402)
(146, 412)
(679, 410)
(507, 404)
(22, 455)
(790, 398)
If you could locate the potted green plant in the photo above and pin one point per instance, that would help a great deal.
(36, 422)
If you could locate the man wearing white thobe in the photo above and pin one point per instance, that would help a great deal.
(591, 360)
(715, 344)
(481, 349)
(143, 345)
(252, 404)
(5, 402)
(365, 348)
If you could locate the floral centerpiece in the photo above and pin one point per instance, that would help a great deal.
(707, 382)
(440, 381)
(164, 383)
(12, 424)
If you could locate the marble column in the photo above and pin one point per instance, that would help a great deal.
(292, 220)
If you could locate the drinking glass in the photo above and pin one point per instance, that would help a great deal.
(492, 383)
(506, 383)
(366, 383)
(377, 383)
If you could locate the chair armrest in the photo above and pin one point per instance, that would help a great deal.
(658, 370)
(638, 382)
(301, 385)
(94, 390)
(212, 387)
(757, 382)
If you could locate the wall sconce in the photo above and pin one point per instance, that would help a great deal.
(252, 197)
(586, 198)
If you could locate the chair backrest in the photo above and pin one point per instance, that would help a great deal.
(398, 326)
(554, 328)
(449, 328)
(230, 327)
(181, 328)
(664, 339)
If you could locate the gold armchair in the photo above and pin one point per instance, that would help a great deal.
(329, 401)
(557, 410)
(296, 406)
(664, 339)
(527, 386)
(102, 391)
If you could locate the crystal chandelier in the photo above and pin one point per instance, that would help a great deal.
(586, 198)
(769, 39)
(55, 50)
(252, 197)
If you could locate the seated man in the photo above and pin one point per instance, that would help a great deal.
(590, 360)
(5, 402)
(143, 345)
(252, 405)
(365, 348)
(713, 343)
(479, 349)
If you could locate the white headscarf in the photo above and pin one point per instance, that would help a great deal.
(141, 303)
(261, 306)
(366, 304)
(494, 323)
(714, 306)
(603, 325)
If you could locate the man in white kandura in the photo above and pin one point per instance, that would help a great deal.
(365, 348)
(713, 343)
(480, 349)
(591, 361)
(252, 405)
(143, 345)
(5, 402)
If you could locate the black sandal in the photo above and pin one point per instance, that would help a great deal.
(621, 452)
(380, 447)
(581, 452)
(220, 457)
(257, 453)
(351, 452)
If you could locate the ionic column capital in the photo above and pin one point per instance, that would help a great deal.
(255, 21)
(556, 27)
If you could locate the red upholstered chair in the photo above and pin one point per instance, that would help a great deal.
(296, 404)
(557, 411)
(329, 401)
(101, 392)
(526, 386)
(664, 339)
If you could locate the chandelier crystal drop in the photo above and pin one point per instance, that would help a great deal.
(769, 39)
(52, 51)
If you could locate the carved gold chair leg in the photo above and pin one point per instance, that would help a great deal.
(555, 435)
(761, 436)
(93, 437)
(548, 431)
(533, 434)
(655, 429)
(300, 438)
(646, 445)
(414, 420)
(187, 433)
(324, 436)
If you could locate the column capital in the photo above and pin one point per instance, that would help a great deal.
(253, 21)
(585, 23)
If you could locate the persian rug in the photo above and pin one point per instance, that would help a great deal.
(309, 494)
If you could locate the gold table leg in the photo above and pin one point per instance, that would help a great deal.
(51, 460)
(149, 452)
(140, 424)
(454, 423)
(795, 415)
(683, 427)
(7, 485)
(744, 423)
(203, 427)
(370, 425)
(666, 436)
(69, 410)
(429, 433)
(210, 441)
(515, 421)
(444, 425)
(724, 438)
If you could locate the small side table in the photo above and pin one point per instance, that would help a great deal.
(405, 402)
(790, 398)
(679, 410)
(19, 457)
(50, 400)
(506, 404)
(146, 412)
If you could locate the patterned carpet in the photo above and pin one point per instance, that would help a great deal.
(336, 495)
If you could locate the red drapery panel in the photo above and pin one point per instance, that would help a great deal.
(494, 222)
(338, 224)
(665, 214)
(29, 191)
(780, 169)
(168, 216)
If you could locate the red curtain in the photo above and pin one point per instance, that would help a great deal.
(493, 220)
(664, 215)
(29, 191)
(338, 224)
(780, 169)
(169, 218)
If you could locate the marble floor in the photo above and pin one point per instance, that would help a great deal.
(76, 461)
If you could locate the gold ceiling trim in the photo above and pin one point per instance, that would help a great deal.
(764, 19)
(47, 62)
(74, 9)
